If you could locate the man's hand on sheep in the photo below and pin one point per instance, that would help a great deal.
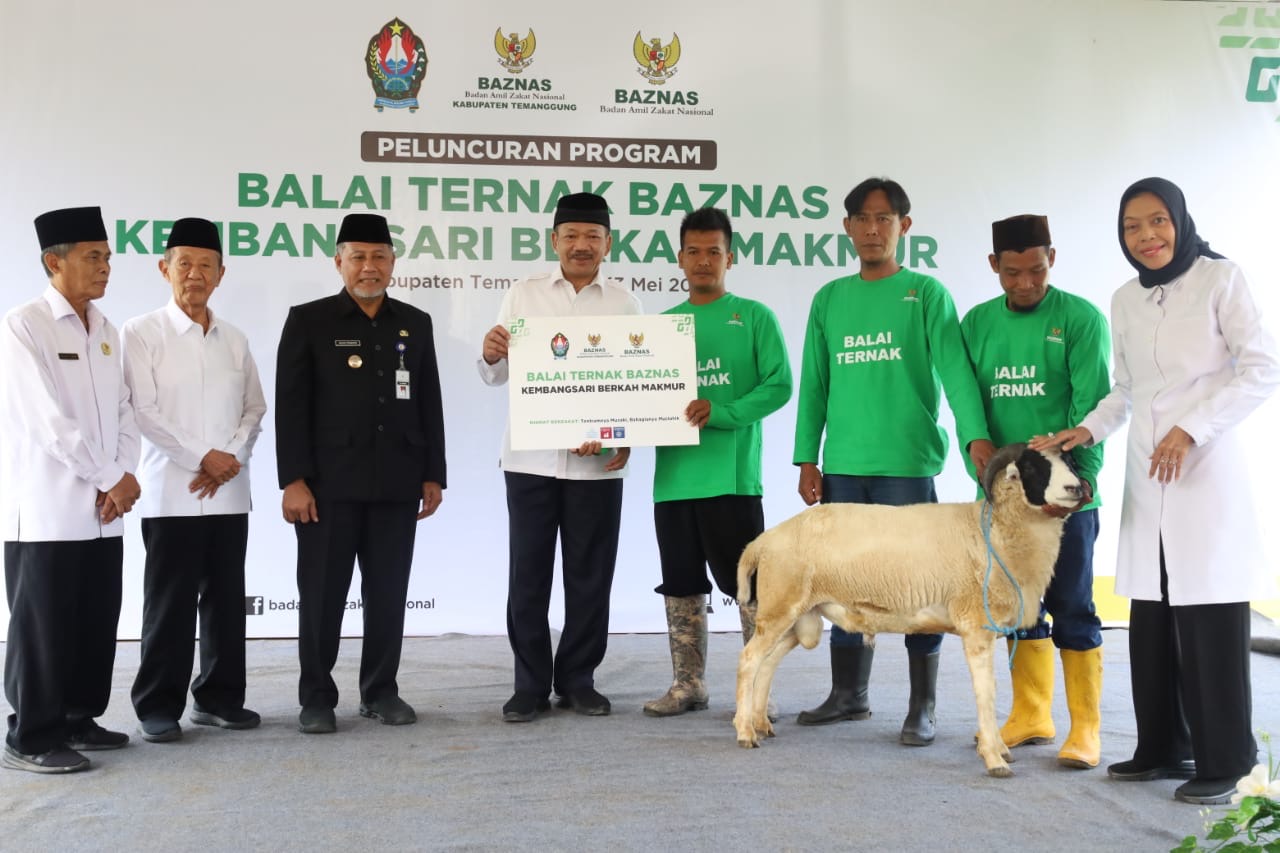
(1166, 461)
(810, 483)
(698, 413)
(1064, 441)
(980, 452)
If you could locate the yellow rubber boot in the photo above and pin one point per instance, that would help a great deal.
(1082, 674)
(1031, 719)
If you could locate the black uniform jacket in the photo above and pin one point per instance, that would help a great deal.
(339, 423)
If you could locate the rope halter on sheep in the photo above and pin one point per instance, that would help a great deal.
(988, 509)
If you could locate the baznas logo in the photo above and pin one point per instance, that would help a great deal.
(559, 345)
(594, 340)
(637, 338)
(657, 62)
(514, 53)
(396, 64)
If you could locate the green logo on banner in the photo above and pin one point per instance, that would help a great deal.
(1263, 85)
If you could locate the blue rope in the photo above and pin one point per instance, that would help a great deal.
(988, 509)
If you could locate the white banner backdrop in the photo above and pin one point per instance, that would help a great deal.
(268, 119)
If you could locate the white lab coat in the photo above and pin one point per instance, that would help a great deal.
(1193, 354)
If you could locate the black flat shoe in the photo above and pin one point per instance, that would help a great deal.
(1134, 770)
(317, 721)
(392, 711)
(586, 701)
(523, 707)
(1207, 792)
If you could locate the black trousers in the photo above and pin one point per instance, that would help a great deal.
(585, 514)
(194, 564)
(380, 535)
(64, 606)
(699, 533)
(1190, 677)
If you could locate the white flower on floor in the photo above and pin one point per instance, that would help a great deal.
(1257, 784)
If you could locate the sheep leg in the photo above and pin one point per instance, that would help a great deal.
(764, 681)
(754, 677)
(979, 653)
(748, 671)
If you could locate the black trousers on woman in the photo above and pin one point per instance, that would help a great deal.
(1191, 691)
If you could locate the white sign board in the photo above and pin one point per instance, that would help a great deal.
(623, 381)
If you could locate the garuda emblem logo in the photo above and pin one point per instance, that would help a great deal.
(396, 63)
(657, 61)
(594, 340)
(514, 53)
(637, 338)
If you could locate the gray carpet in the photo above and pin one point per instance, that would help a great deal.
(462, 779)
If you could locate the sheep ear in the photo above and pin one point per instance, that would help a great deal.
(1011, 472)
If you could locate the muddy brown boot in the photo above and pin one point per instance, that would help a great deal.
(747, 615)
(687, 634)
(850, 672)
(918, 728)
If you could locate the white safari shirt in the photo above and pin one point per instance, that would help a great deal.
(552, 295)
(68, 428)
(192, 392)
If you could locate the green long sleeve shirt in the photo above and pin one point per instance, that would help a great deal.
(1040, 371)
(744, 371)
(877, 355)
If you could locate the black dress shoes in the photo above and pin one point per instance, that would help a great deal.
(586, 701)
(523, 707)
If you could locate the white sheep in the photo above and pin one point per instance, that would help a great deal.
(873, 569)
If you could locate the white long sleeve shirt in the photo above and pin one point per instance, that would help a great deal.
(193, 391)
(68, 426)
(552, 295)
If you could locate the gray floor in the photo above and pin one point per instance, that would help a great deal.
(462, 779)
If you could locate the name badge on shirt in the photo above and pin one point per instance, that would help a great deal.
(402, 385)
(69, 356)
(346, 343)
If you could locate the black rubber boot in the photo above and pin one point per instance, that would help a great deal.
(917, 729)
(850, 672)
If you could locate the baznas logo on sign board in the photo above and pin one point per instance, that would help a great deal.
(514, 53)
(396, 64)
(657, 62)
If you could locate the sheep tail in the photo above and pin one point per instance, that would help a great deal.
(747, 565)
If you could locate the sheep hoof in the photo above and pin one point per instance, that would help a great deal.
(748, 743)
(1000, 771)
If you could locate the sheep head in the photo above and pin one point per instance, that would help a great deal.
(1045, 478)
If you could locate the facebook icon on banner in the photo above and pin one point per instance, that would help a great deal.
(253, 605)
